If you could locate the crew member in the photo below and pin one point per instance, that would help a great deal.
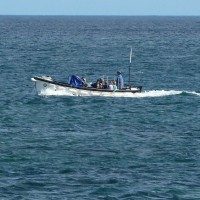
(119, 80)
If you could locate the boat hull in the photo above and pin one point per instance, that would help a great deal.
(47, 86)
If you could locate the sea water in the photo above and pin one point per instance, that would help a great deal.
(59, 147)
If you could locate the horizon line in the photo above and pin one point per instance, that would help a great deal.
(107, 15)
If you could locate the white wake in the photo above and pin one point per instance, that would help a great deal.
(158, 93)
(151, 93)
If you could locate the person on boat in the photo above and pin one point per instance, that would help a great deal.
(100, 83)
(85, 84)
(105, 86)
(114, 85)
(110, 86)
(119, 80)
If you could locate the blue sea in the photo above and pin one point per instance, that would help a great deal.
(145, 147)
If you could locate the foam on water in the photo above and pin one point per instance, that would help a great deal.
(158, 93)
(151, 93)
(194, 93)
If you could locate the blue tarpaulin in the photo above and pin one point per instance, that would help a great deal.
(75, 81)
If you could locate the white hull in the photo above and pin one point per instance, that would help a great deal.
(46, 86)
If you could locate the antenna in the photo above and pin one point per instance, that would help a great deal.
(129, 79)
(131, 55)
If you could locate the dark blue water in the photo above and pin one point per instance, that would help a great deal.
(58, 147)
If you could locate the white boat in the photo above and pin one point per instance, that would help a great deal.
(45, 85)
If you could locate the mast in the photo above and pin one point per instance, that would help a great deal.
(129, 79)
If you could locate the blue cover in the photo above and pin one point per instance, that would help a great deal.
(75, 81)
